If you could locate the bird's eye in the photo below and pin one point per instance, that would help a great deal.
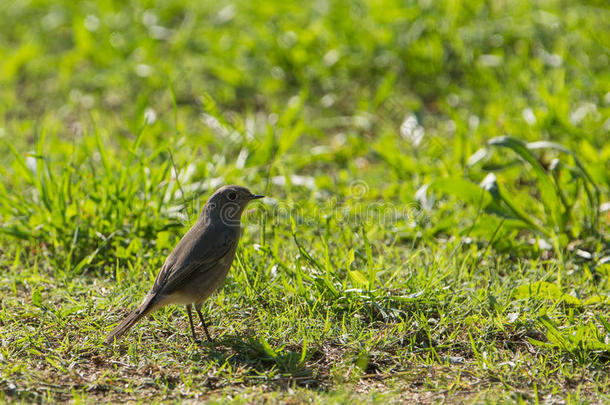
(232, 196)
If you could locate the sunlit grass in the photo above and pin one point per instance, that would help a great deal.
(436, 224)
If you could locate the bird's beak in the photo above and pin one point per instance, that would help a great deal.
(256, 196)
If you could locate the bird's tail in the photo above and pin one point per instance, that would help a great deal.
(129, 321)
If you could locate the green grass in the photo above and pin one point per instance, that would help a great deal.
(437, 220)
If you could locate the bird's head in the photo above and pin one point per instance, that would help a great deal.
(228, 203)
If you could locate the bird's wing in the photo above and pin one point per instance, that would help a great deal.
(177, 270)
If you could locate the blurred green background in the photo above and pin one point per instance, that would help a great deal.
(393, 94)
(490, 67)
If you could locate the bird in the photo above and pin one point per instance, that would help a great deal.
(200, 261)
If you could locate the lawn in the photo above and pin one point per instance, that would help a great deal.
(437, 219)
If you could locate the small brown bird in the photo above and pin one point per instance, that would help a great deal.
(200, 261)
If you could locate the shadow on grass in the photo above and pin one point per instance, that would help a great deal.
(281, 367)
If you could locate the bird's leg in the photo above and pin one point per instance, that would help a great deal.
(188, 311)
(205, 328)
